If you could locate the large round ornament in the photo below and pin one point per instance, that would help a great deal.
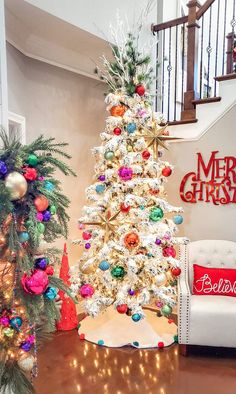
(176, 271)
(136, 317)
(104, 265)
(4, 321)
(160, 279)
(156, 214)
(16, 185)
(86, 291)
(118, 272)
(118, 110)
(122, 308)
(26, 363)
(23, 236)
(32, 160)
(41, 203)
(30, 174)
(178, 219)
(131, 127)
(50, 293)
(125, 173)
(167, 171)
(169, 251)
(131, 240)
(109, 155)
(117, 131)
(36, 283)
(140, 89)
(16, 322)
(166, 310)
(86, 270)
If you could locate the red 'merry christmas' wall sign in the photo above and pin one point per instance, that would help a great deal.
(214, 181)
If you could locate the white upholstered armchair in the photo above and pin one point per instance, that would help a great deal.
(207, 320)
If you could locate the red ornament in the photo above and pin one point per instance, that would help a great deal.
(82, 337)
(154, 191)
(169, 251)
(167, 171)
(166, 132)
(124, 208)
(176, 271)
(49, 270)
(30, 174)
(86, 235)
(131, 240)
(68, 319)
(123, 308)
(160, 345)
(140, 90)
(41, 203)
(146, 154)
(118, 110)
(117, 131)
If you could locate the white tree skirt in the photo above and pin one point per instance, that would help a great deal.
(113, 329)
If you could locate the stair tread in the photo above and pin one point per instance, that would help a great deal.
(206, 100)
(186, 121)
(225, 77)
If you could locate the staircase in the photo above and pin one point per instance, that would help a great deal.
(196, 79)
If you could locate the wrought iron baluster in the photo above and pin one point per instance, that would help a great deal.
(233, 23)
(217, 44)
(163, 71)
(176, 68)
(182, 82)
(157, 70)
(224, 38)
(169, 68)
(209, 49)
(201, 59)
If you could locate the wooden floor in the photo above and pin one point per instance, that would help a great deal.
(68, 365)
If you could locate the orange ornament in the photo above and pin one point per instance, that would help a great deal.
(131, 240)
(118, 110)
(41, 203)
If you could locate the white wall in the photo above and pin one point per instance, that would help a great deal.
(63, 105)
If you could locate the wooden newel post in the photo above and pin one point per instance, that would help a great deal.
(189, 109)
(229, 52)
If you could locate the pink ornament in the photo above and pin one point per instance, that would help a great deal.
(169, 251)
(125, 173)
(81, 226)
(4, 321)
(36, 283)
(159, 304)
(39, 216)
(31, 338)
(41, 178)
(86, 291)
(86, 235)
(167, 236)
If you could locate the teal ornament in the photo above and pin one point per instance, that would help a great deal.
(136, 344)
(50, 293)
(109, 155)
(32, 160)
(23, 237)
(100, 188)
(16, 322)
(166, 310)
(49, 186)
(156, 214)
(118, 272)
(142, 207)
(104, 265)
(53, 209)
(176, 339)
(131, 127)
(101, 342)
(178, 219)
(136, 317)
(40, 228)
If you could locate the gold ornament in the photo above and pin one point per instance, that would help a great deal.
(16, 184)
(86, 270)
(160, 279)
(107, 222)
(2, 240)
(41, 248)
(26, 363)
(8, 332)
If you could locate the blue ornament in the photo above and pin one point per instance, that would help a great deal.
(16, 322)
(49, 186)
(178, 219)
(101, 342)
(26, 346)
(50, 293)
(104, 265)
(46, 216)
(100, 188)
(131, 127)
(136, 317)
(3, 168)
(23, 237)
(142, 207)
(136, 344)
(41, 263)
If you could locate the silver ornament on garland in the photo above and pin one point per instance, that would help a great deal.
(16, 184)
(26, 363)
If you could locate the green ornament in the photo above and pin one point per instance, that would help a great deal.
(40, 228)
(176, 339)
(53, 209)
(156, 214)
(118, 272)
(8, 331)
(32, 160)
(28, 223)
(136, 344)
(166, 310)
(109, 155)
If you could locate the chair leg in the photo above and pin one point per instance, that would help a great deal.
(183, 349)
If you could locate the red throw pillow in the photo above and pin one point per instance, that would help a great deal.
(214, 281)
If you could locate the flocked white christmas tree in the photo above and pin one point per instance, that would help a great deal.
(129, 227)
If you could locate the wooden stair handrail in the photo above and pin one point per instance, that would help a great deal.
(204, 8)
